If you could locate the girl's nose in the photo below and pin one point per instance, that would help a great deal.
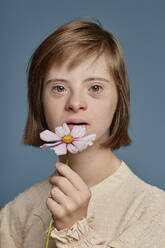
(76, 102)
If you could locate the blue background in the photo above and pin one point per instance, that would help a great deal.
(140, 28)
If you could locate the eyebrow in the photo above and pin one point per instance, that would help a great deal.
(84, 81)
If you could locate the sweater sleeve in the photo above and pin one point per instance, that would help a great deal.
(146, 233)
(10, 228)
(81, 234)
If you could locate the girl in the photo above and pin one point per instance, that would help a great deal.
(78, 76)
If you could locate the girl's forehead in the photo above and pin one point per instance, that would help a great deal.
(91, 69)
(90, 64)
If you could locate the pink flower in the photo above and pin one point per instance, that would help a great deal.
(74, 141)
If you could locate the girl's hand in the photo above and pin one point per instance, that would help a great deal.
(69, 197)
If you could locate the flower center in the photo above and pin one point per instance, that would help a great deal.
(67, 138)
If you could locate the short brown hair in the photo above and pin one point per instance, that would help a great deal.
(86, 38)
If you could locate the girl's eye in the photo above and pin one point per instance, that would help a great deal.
(58, 88)
(96, 88)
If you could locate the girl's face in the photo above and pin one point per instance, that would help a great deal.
(84, 94)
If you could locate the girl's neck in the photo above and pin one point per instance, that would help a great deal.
(93, 165)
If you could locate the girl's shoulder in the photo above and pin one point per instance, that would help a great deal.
(18, 216)
(34, 195)
(151, 193)
(32, 200)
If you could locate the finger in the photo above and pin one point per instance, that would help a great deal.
(65, 186)
(56, 209)
(72, 176)
(58, 196)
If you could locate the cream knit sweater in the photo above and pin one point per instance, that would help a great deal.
(124, 212)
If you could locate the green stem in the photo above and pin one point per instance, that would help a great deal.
(49, 230)
(67, 158)
(51, 220)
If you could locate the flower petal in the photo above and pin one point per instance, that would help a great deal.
(47, 135)
(60, 149)
(88, 139)
(71, 148)
(84, 142)
(61, 131)
(78, 131)
(66, 128)
(80, 145)
(44, 146)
